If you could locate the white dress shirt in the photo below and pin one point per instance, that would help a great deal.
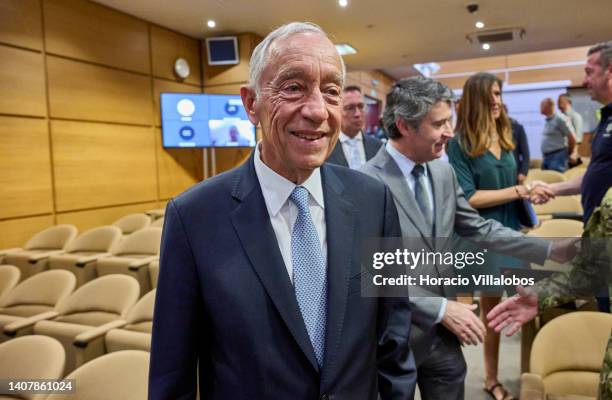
(276, 190)
(406, 165)
(347, 148)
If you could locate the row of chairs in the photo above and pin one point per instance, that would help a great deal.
(120, 376)
(550, 176)
(105, 315)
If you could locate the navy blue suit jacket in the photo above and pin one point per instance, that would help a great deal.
(225, 302)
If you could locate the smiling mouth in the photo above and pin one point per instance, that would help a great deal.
(308, 136)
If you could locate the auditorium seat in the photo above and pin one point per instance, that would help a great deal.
(134, 334)
(132, 257)
(156, 213)
(154, 273)
(132, 223)
(562, 206)
(31, 357)
(36, 295)
(558, 228)
(574, 172)
(83, 252)
(122, 375)
(104, 300)
(567, 357)
(547, 176)
(158, 222)
(33, 258)
(9, 278)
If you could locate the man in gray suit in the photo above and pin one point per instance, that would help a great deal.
(431, 204)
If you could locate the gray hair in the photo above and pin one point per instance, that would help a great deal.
(410, 99)
(259, 58)
(606, 53)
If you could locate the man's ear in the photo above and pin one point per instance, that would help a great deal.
(249, 100)
(403, 127)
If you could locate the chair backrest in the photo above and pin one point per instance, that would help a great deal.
(558, 228)
(99, 240)
(110, 294)
(547, 176)
(561, 204)
(47, 288)
(568, 352)
(132, 223)
(9, 278)
(574, 172)
(120, 375)
(154, 273)
(32, 357)
(53, 238)
(158, 222)
(143, 242)
(140, 317)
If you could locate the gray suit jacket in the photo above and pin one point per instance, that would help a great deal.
(453, 214)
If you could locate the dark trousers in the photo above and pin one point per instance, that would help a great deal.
(556, 160)
(442, 374)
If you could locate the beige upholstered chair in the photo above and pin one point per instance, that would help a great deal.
(31, 357)
(134, 334)
(547, 176)
(9, 277)
(567, 357)
(101, 301)
(558, 228)
(122, 375)
(83, 252)
(33, 258)
(36, 295)
(132, 257)
(132, 223)
(154, 273)
(159, 223)
(156, 213)
(574, 172)
(560, 205)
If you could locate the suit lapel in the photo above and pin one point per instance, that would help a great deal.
(437, 178)
(337, 155)
(392, 176)
(340, 225)
(370, 146)
(252, 223)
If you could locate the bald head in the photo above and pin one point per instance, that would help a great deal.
(547, 107)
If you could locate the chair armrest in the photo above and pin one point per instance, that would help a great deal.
(4, 252)
(83, 339)
(12, 328)
(532, 387)
(136, 265)
(37, 257)
(88, 259)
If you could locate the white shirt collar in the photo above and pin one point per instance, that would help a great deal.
(343, 138)
(276, 189)
(405, 164)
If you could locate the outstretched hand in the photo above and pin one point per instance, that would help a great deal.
(540, 192)
(514, 312)
(460, 319)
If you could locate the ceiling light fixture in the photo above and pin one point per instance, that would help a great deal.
(479, 24)
(486, 46)
(211, 23)
(345, 48)
(343, 3)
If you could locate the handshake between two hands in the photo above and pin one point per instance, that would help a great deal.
(537, 192)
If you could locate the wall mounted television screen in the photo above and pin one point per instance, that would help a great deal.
(205, 120)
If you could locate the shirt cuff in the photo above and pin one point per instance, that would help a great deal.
(442, 311)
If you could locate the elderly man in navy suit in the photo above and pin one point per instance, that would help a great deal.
(260, 283)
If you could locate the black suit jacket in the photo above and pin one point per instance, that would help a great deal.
(225, 302)
(370, 144)
(521, 151)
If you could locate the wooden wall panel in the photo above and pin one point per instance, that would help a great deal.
(225, 89)
(230, 158)
(548, 57)
(88, 219)
(178, 169)
(21, 23)
(25, 181)
(91, 32)
(163, 86)
(22, 82)
(226, 74)
(574, 74)
(16, 232)
(166, 47)
(99, 165)
(472, 65)
(89, 92)
(458, 82)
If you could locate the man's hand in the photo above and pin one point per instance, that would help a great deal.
(514, 312)
(460, 319)
(540, 192)
(564, 250)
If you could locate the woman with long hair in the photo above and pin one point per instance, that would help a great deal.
(481, 154)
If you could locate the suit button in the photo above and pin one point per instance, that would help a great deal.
(325, 396)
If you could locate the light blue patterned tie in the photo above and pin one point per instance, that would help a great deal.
(309, 272)
(355, 162)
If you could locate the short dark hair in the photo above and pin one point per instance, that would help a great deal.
(352, 88)
(566, 96)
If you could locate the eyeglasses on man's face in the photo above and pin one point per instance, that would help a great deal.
(352, 108)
